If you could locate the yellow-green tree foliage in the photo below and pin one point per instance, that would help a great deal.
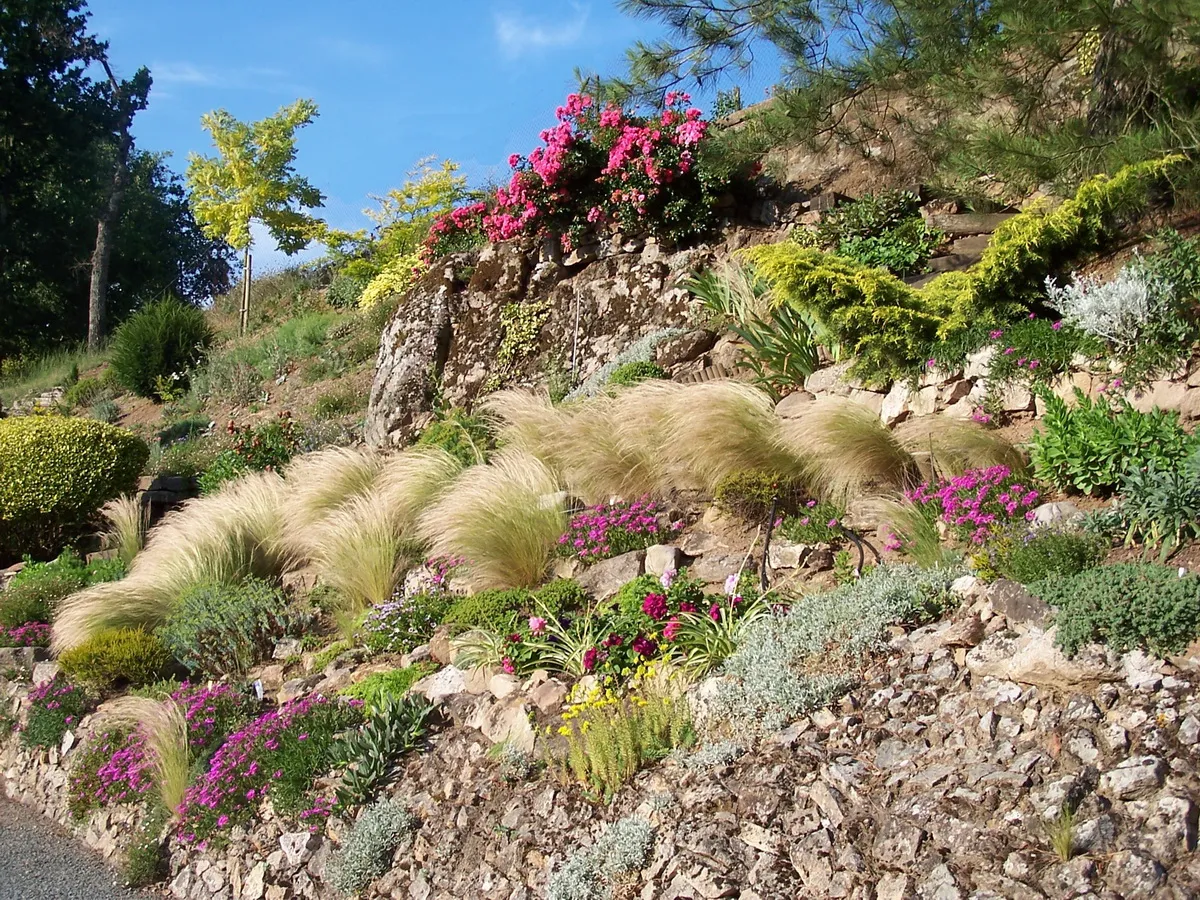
(253, 177)
(390, 259)
(56, 473)
(890, 326)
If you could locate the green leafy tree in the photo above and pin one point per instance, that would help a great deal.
(253, 178)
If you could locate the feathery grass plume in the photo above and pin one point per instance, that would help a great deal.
(165, 726)
(528, 421)
(717, 428)
(942, 446)
(504, 518)
(223, 537)
(917, 532)
(317, 483)
(126, 532)
(361, 551)
(850, 449)
(414, 480)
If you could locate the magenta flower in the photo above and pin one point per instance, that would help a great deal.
(537, 624)
(1056, 326)
(655, 606)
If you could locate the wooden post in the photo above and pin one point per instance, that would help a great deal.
(245, 317)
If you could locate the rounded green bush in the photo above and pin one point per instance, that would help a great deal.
(491, 610)
(130, 656)
(161, 342)
(633, 372)
(56, 473)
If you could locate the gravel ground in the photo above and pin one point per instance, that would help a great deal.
(39, 861)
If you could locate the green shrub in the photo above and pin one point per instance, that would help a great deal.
(36, 591)
(105, 411)
(146, 858)
(492, 610)
(560, 596)
(628, 598)
(750, 495)
(122, 656)
(162, 341)
(225, 466)
(187, 458)
(882, 230)
(379, 686)
(84, 392)
(56, 473)
(344, 291)
(1090, 447)
(1161, 506)
(633, 372)
(341, 401)
(404, 623)
(224, 629)
(810, 525)
(463, 436)
(1126, 606)
(1046, 552)
(55, 707)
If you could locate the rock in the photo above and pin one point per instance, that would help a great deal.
(1142, 671)
(271, 677)
(412, 355)
(713, 569)
(1134, 777)
(603, 579)
(548, 696)
(22, 659)
(1171, 831)
(831, 380)
(44, 671)
(979, 362)
(1133, 874)
(820, 560)
(787, 555)
(660, 558)
(502, 685)
(1160, 394)
(181, 885)
(1016, 604)
(506, 722)
(298, 846)
(253, 887)
(441, 684)
(1189, 731)
(1032, 658)
(939, 884)
(893, 886)
(1054, 513)
(698, 543)
(440, 648)
(962, 224)
(298, 687)
(896, 404)
(684, 348)
(794, 405)
(214, 880)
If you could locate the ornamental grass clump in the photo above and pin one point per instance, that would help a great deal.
(504, 518)
(791, 662)
(223, 538)
(276, 756)
(126, 532)
(319, 483)
(165, 745)
(978, 503)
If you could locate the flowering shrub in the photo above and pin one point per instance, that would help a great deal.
(978, 502)
(404, 622)
(113, 768)
(606, 166)
(278, 755)
(607, 530)
(55, 706)
(455, 231)
(31, 634)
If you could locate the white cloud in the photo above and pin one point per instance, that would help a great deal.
(183, 73)
(519, 35)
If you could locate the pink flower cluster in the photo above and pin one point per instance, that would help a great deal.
(978, 502)
(210, 710)
(610, 530)
(31, 634)
(242, 772)
(458, 229)
(597, 166)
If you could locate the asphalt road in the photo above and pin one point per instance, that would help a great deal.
(40, 861)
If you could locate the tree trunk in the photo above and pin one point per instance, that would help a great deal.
(107, 225)
(244, 317)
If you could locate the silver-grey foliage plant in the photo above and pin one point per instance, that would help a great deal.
(590, 874)
(1118, 311)
(763, 687)
(641, 350)
(367, 851)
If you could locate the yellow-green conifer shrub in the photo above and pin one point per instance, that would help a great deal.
(56, 473)
(129, 656)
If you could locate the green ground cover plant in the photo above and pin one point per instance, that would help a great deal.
(1126, 606)
(1159, 505)
(463, 436)
(633, 372)
(55, 707)
(378, 687)
(1045, 552)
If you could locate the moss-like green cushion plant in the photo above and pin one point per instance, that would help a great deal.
(121, 656)
(491, 610)
(633, 372)
(56, 473)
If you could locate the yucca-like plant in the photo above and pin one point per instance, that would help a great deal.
(504, 518)
(165, 726)
(221, 538)
(126, 532)
(703, 642)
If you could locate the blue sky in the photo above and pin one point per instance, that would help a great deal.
(395, 81)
